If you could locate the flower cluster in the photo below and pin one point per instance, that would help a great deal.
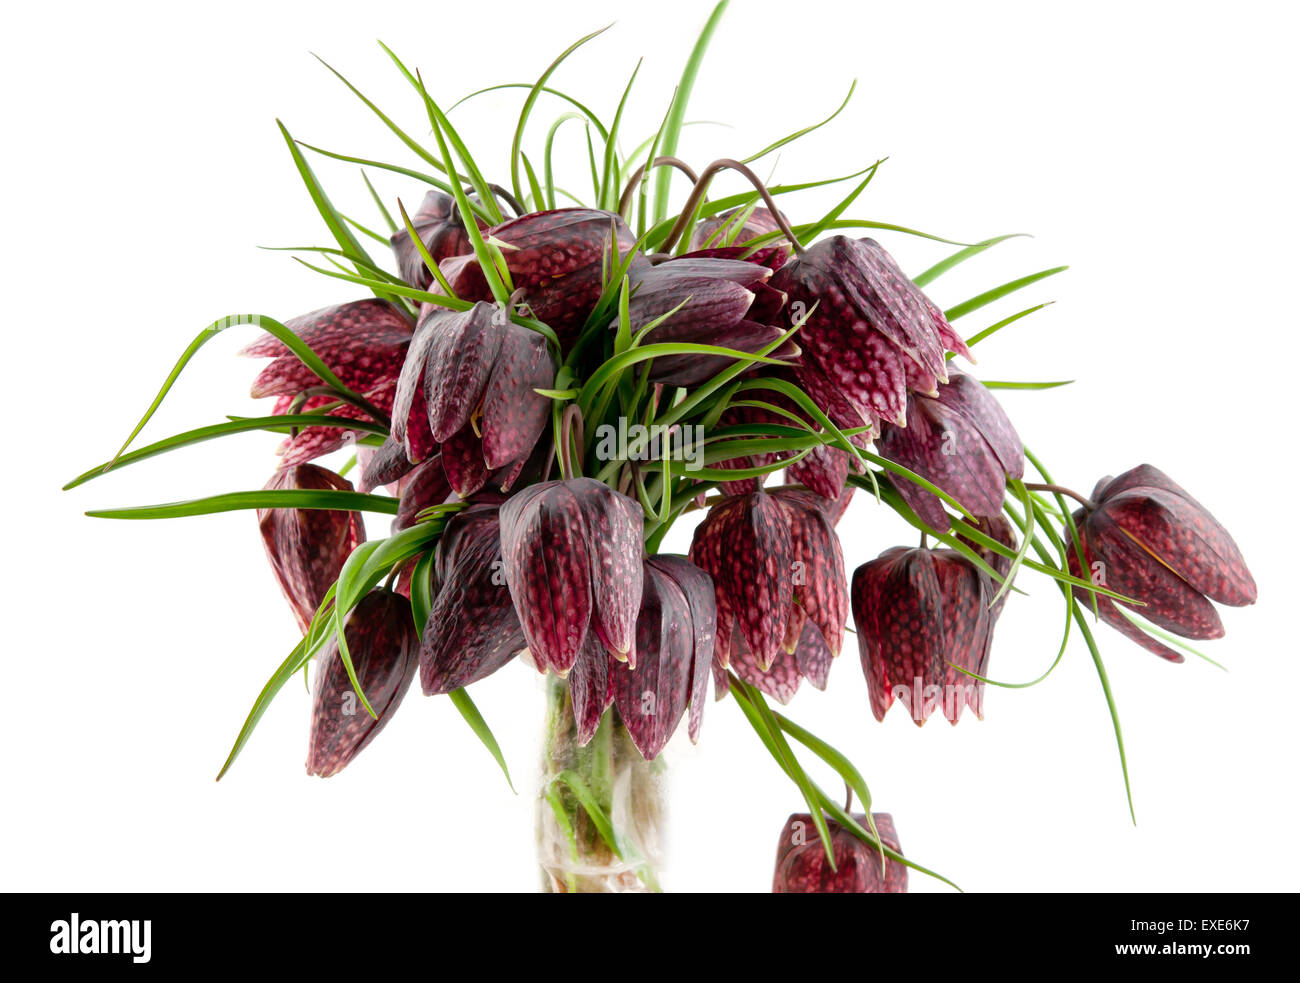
(476, 388)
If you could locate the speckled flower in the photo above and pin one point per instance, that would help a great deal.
(476, 374)
(442, 231)
(780, 588)
(802, 867)
(382, 645)
(922, 615)
(572, 559)
(1149, 539)
(873, 336)
(555, 259)
(363, 342)
(308, 547)
(961, 441)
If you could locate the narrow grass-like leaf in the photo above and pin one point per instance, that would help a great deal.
(672, 129)
(997, 293)
(979, 336)
(531, 100)
(215, 430)
(996, 384)
(959, 257)
(801, 133)
(282, 498)
(461, 701)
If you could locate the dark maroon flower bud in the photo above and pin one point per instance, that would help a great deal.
(441, 229)
(871, 320)
(363, 342)
(556, 261)
(960, 441)
(381, 644)
(1148, 539)
(472, 629)
(478, 373)
(308, 547)
(802, 868)
(922, 615)
(572, 552)
(674, 651)
(710, 233)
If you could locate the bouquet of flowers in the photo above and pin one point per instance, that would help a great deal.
(535, 388)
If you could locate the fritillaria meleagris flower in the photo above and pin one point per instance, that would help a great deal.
(802, 868)
(363, 342)
(382, 646)
(873, 336)
(472, 629)
(441, 229)
(1149, 540)
(780, 588)
(572, 553)
(722, 302)
(675, 631)
(308, 547)
(959, 440)
(922, 615)
(473, 375)
(555, 259)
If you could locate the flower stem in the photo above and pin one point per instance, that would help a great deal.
(1083, 500)
(701, 186)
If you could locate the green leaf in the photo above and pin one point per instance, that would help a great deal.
(379, 203)
(1110, 704)
(221, 430)
(677, 111)
(959, 257)
(979, 336)
(461, 701)
(609, 190)
(295, 344)
(586, 113)
(994, 384)
(997, 293)
(275, 498)
(531, 100)
(801, 133)
(337, 226)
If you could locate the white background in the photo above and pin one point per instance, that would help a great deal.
(1151, 146)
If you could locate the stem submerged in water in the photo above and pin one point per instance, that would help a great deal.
(601, 809)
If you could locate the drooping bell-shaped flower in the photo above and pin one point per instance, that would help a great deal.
(873, 336)
(476, 373)
(1148, 539)
(704, 301)
(777, 568)
(802, 867)
(674, 652)
(363, 342)
(308, 547)
(442, 230)
(472, 629)
(922, 615)
(572, 554)
(556, 260)
(382, 646)
(814, 619)
(959, 440)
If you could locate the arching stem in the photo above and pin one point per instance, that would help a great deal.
(701, 186)
(1083, 500)
(625, 199)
